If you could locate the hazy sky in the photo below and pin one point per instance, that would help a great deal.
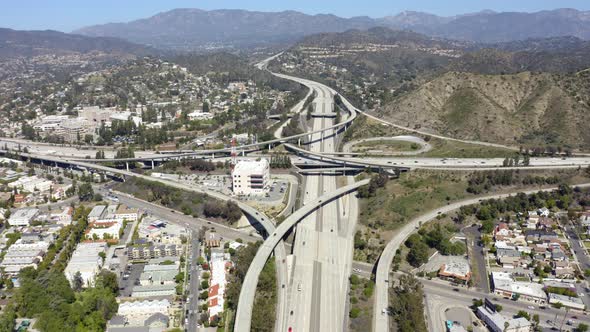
(66, 15)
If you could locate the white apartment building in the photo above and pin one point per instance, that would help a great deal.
(23, 217)
(64, 217)
(99, 231)
(197, 115)
(87, 261)
(111, 213)
(31, 184)
(24, 253)
(143, 308)
(217, 286)
(251, 177)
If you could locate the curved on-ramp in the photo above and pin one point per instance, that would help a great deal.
(248, 291)
(381, 301)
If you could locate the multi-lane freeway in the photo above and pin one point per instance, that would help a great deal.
(313, 280)
(316, 293)
(246, 300)
(322, 250)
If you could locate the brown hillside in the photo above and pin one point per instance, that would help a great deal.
(523, 109)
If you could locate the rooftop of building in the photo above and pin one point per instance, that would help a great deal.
(26, 213)
(504, 281)
(122, 209)
(499, 319)
(251, 166)
(150, 288)
(565, 298)
(458, 269)
(96, 211)
(144, 304)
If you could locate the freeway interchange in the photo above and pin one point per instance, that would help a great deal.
(313, 277)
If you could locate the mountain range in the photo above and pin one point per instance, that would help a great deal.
(554, 54)
(16, 43)
(191, 29)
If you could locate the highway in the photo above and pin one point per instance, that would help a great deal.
(317, 290)
(315, 294)
(258, 217)
(381, 300)
(423, 145)
(425, 133)
(246, 300)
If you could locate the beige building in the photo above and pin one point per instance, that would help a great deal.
(251, 177)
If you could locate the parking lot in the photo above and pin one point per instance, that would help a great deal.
(222, 183)
(130, 278)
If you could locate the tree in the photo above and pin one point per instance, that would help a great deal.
(77, 282)
(485, 240)
(582, 327)
(107, 280)
(524, 314)
(355, 312)
(418, 254)
(8, 319)
(487, 226)
(406, 305)
(85, 192)
(204, 284)
(499, 307)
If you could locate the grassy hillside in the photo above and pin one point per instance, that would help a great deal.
(523, 109)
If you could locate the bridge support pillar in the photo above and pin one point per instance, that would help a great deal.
(152, 164)
(127, 166)
(299, 142)
(322, 136)
(243, 153)
(269, 147)
(213, 156)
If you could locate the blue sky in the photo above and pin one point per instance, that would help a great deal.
(67, 15)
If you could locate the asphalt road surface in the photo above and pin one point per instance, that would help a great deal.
(381, 301)
(178, 218)
(441, 296)
(192, 309)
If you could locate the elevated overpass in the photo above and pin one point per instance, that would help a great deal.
(258, 219)
(248, 291)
